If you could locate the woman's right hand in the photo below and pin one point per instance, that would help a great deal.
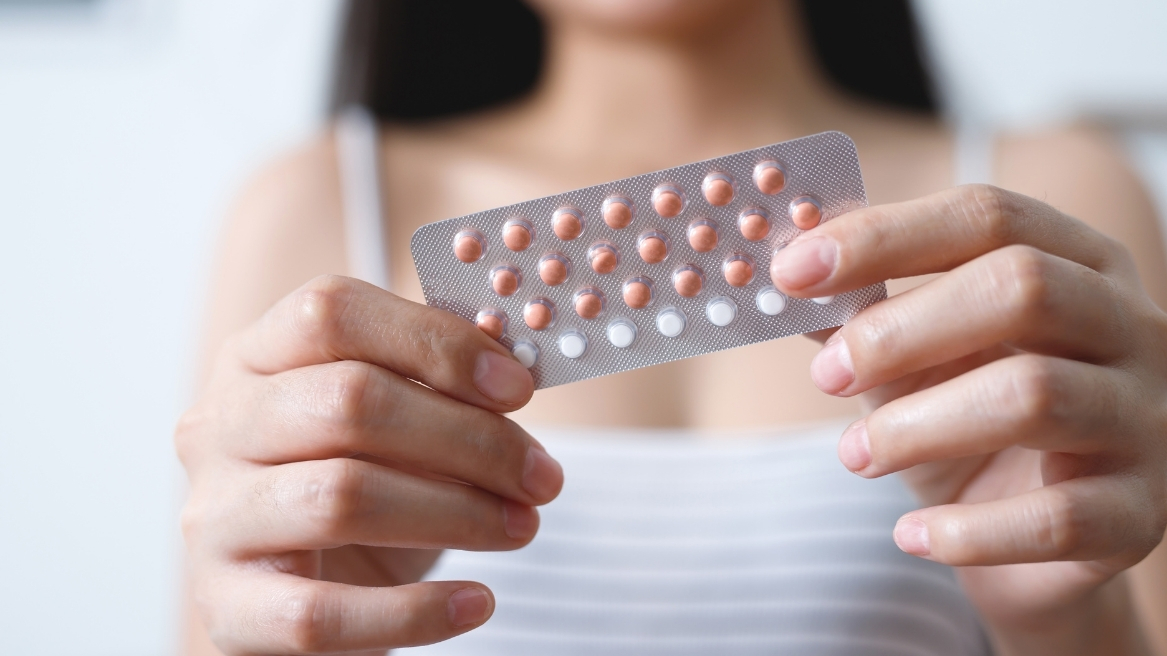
(324, 479)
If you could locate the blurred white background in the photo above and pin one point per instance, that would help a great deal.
(125, 127)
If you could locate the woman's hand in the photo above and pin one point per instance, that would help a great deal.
(324, 480)
(1022, 392)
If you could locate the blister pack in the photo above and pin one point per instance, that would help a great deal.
(649, 269)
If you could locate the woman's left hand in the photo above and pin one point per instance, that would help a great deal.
(1023, 392)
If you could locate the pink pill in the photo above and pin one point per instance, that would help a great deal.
(490, 324)
(738, 272)
(637, 294)
(702, 237)
(516, 236)
(754, 225)
(617, 212)
(469, 246)
(770, 178)
(667, 201)
(805, 212)
(504, 280)
(603, 259)
(687, 282)
(588, 305)
(653, 249)
(538, 315)
(553, 270)
(718, 189)
(567, 224)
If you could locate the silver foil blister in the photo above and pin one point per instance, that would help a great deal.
(824, 167)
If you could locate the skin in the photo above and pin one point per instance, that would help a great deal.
(1018, 389)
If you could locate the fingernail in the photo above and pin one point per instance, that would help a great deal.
(542, 476)
(804, 263)
(831, 370)
(469, 606)
(520, 522)
(502, 379)
(911, 536)
(854, 447)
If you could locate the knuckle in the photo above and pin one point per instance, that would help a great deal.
(1062, 531)
(307, 624)
(1150, 518)
(1025, 292)
(1034, 388)
(187, 434)
(345, 393)
(991, 211)
(1115, 252)
(880, 330)
(440, 339)
(333, 494)
(319, 307)
(192, 520)
(499, 440)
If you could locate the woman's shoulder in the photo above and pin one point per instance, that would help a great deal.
(1084, 171)
(1082, 166)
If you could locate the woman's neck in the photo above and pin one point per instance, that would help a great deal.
(746, 80)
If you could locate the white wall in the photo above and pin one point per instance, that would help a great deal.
(121, 140)
(1021, 62)
(122, 137)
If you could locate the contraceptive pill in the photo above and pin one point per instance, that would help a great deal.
(517, 235)
(805, 212)
(703, 235)
(648, 269)
(469, 246)
(617, 212)
(770, 177)
(668, 200)
(718, 188)
(721, 311)
(491, 322)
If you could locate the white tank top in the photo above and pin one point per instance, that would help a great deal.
(673, 542)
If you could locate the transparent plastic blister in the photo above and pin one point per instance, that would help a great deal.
(649, 269)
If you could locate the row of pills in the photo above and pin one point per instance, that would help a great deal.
(539, 314)
(653, 247)
(688, 280)
(621, 332)
(668, 201)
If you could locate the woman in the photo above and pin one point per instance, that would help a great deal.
(1019, 390)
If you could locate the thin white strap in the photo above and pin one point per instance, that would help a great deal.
(973, 153)
(357, 154)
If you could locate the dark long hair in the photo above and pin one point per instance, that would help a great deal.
(409, 60)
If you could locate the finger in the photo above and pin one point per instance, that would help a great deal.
(933, 234)
(1017, 295)
(334, 318)
(340, 409)
(1026, 400)
(331, 503)
(1092, 518)
(276, 613)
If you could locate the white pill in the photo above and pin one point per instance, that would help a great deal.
(670, 322)
(621, 333)
(572, 344)
(721, 311)
(771, 301)
(526, 353)
(823, 300)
